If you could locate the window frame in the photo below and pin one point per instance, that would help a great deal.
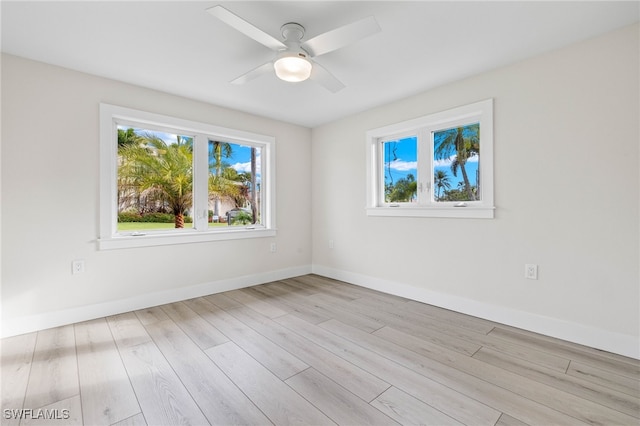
(424, 128)
(109, 238)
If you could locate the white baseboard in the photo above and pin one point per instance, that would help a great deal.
(30, 323)
(618, 343)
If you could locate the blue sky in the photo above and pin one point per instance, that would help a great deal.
(403, 157)
(240, 159)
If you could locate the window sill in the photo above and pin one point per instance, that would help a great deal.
(184, 237)
(473, 212)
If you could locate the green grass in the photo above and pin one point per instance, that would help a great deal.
(150, 226)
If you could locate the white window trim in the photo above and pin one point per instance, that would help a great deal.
(481, 112)
(112, 115)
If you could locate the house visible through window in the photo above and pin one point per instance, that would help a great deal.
(440, 165)
(166, 180)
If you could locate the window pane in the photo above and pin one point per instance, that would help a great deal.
(234, 184)
(456, 161)
(155, 180)
(400, 170)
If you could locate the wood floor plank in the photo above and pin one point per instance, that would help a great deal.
(439, 332)
(201, 332)
(426, 359)
(353, 378)
(353, 291)
(159, 391)
(507, 420)
(151, 315)
(524, 391)
(292, 286)
(54, 370)
(310, 349)
(217, 396)
(431, 329)
(280, 362)
(137, 420)
(107, 395)
(630, 369)
(290, 302)
(277, 400)
(256, 304)
(468, 322)
(574, 346)
(127, 330)
(345, 314)
(584, 389)
(453, 403)
(605, 378)
(66, 412)
(336, 402)
(321, 285)
(17, 355)
(407, 410)
(223, 301)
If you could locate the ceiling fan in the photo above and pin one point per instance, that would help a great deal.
(293, 60)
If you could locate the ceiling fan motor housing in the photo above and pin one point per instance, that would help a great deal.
(292, 32)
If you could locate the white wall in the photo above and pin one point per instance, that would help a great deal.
(50, 205)
(566, 190)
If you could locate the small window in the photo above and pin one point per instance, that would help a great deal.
(166, 181)
(234, 184)
(155, 180)
(400, 170)
(439, 165)
(456, 162)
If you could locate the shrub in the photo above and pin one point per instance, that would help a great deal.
(129, 217)
(242, 218)
(150, 217)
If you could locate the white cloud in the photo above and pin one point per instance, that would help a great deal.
(246, 167)
(242, 167)
(403, 166)
(446, 162)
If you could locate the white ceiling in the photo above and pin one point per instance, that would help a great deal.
(176, 47)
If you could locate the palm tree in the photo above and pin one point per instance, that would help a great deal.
(441, 181)
(218, 150)
(463, 143)
(160, 171)
(128, 196)
(404, 190)
(128, 137)
(254, 195)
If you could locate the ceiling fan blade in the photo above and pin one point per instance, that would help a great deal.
(246, 28)
(325, 78)
(342, 36)
(254, 73)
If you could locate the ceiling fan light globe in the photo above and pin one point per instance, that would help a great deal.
(292, 68)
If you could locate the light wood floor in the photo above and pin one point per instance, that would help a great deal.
(310, 350)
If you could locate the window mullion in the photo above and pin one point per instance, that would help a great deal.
(200, 183)
(424, 168)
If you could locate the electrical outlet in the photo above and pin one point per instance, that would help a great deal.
(531, 271)
(273, 248)
(331, 245)
(77, 266)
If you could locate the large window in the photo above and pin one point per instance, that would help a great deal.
(166, 180)
(440, 165)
